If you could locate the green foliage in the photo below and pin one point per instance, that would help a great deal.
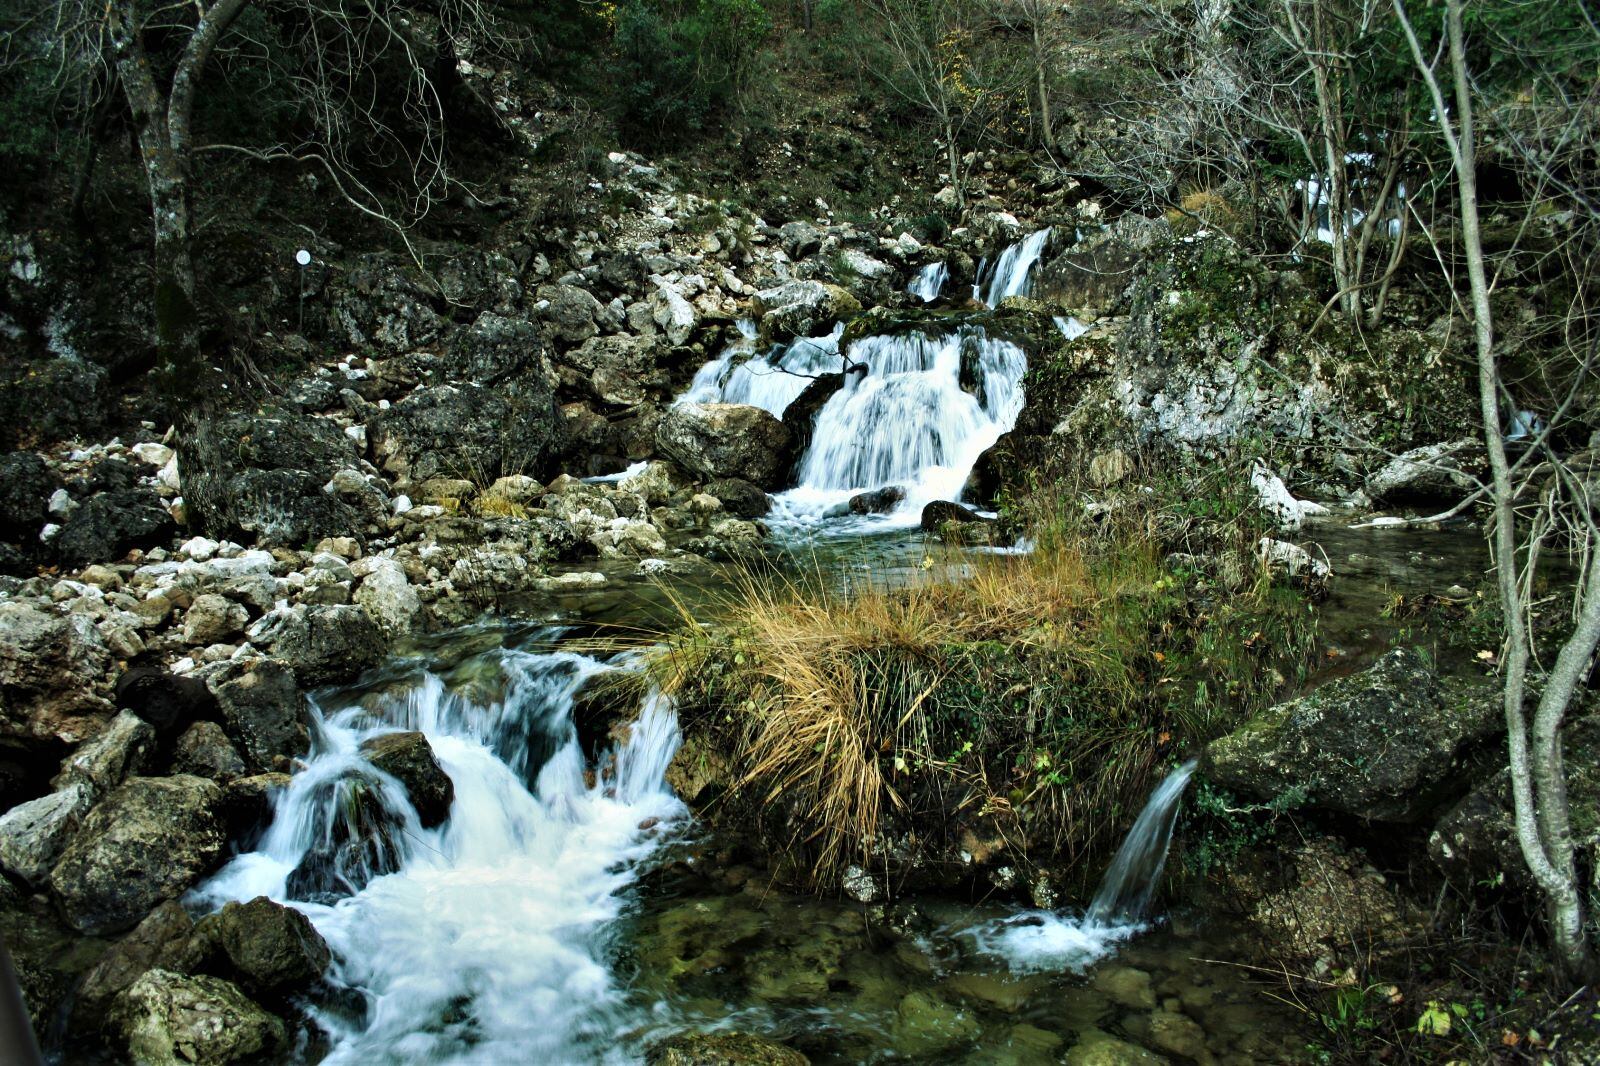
(28, 132)
(686, 65)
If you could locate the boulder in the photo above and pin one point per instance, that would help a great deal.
(53, 673)
(204, 751)
(269, 949)
(407, 758)
(146, 842)
(33, 834)
(1093, 273)
(164, 940)
(385, 301)
(107, 526)
(26, 483)
(936, 514)
(169, 702)
(123, 747)
(496, 349)
(672, 312)
(801, 309)
(723, 1049)
(388, 597)
(724, 440)
(879, 501)
(262, 709)
(740, 497)
(212, 619)
(1436, 473)
(263, 475)
(800, 239)
(167, 1019)
(1390, 743)
(470, 431)
(52, 399)
(322, 643)
(569, 313)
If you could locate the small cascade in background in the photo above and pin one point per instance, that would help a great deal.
(1070, 327)
(918, 419)
(771, 380)
(1044, 940)
(929, 282)
(1011, 274)
(488, 938)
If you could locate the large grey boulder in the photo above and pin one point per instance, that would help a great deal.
(269, 949)
(33, 834)
(263, 710)
(726, 440)
(54, 671)
(409, 759)
(26, 483)
(124, 747)
(263, 475)
(801, 309)
(386, 594)
(1439, 473)
(167, 1019)
(164, 940)
(470, 431)
(322, 643)
(146, 842)
(1390, 743)
(569, 312)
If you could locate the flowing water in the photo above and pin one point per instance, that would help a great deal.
(1011, 274)
(929, 282)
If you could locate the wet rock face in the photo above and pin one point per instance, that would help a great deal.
(801, 309)
(740, 498)
(800, 417)
(109, 525)
(25, 487)
(167, 1019)
(146, 842)
(270, 949)
(1388, 744)
(264, 475)
(881, 501)
(407, 758)
(727, 440)
(467, 430)
(723, 1049)
(361, 837)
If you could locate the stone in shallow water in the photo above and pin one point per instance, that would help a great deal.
(926, 1025)
(723, 1049)
(1126, 986)
(1096, 1048)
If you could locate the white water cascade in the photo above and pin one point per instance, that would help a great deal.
(908, 423)
(1045, 940)
(486, 940)
(771, 380)
(929, 282)
(1011, 274)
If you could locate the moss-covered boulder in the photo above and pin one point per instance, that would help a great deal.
(1391, 743)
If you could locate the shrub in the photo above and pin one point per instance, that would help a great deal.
(685, 65)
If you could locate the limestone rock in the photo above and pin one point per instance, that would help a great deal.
(204, 751)
(1439, 473)
(720, 440)
(270, 949)
(164, 940)
(801, 309)
(723, 1049)
(124, 747)
(53, 670)
(146, 842)
(263, 711)
(1387, 744)
(388, 597)
(740, 497)
(212, 619)
(108, 525)
(449, 430)
(32, 834)
(167, 1019)
(321, 643)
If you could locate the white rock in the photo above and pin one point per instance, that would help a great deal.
(168, 475)
(33, 834)
(157, 455)
(400, 504)
(198, 548)
(388, 597)
(49, 532)
(1275, 498)
(62, 504)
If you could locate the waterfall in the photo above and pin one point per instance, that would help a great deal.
(1070, 327)
(918, 418)
(771, 380)
(929, 282)
(486, 939)
(1011, 273)
(1044, 940)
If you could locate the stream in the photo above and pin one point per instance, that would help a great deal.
(572, 911)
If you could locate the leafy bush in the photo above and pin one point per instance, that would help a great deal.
(686, 65)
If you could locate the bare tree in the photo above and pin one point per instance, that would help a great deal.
(1562, 491)
(325, 54)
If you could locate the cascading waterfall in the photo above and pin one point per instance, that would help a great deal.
(1011, 274)
(487, 939)
(1044, 940)
(929, 282)
(908, 422)
(1070, 327)
(770, 380)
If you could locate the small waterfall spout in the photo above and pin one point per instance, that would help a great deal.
(1011, 273)
(929, 282)
(770, 380)
(1131, 878)
(1044, 940)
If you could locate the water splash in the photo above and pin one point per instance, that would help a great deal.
(929, 282)
(771, 380)
(490, 939)
(1011, 274)
(1043, 940)
(1070, 327)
